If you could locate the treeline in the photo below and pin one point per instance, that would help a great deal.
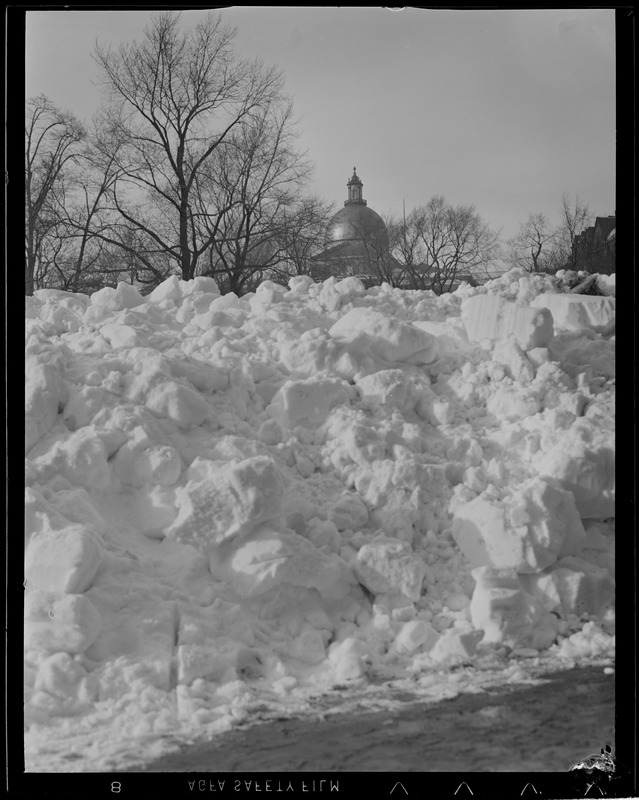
(192, 166)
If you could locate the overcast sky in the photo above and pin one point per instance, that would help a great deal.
(504, 109)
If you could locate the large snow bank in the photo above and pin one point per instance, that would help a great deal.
(232, 498)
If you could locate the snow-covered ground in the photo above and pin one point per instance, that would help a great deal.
(235, 503)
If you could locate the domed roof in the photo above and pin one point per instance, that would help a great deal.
(356, 222)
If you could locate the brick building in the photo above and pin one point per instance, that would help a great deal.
(593, 249)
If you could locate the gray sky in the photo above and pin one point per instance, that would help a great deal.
(505, 109)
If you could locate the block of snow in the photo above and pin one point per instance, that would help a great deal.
(307, 647)
(124, 296)
(451, 334)
(369, 332)
(122, 335)
(572, 586)
(60, 296)
(63, 318)
(199, 284)
(314, 352)
(154, 509)
(385, 388)
(526, 531)
(81, 458)
(583, 462)
(507, 614)
(300, 284)
(170, 289)
(488, 316)
(514, 402)
(416, 634)
(389, 566)
(45, 395)
(221, 662)
(178, 403)
(268, 558)
(350, 287)
(349, 512)
(231, 500)
(574, 312)
(350, 658)
(508, 353)
(160, 465)
(607, 284)
(307, 402)
(138, 627)
(64, 561)
(220, 620)
(454, 644)
(60, 623)
(589, 642)
(436, 410)
(63, 677)
(225, 302)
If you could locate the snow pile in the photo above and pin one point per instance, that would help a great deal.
(238, 498)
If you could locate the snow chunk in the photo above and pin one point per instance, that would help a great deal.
(388, 566)
(45, 394)
(170, 289)
(118, 335)
(589, 642)
(572, 586)
(350, 658)
(124, 296)
(349, 512)
(307, 402)
(415, 634)
(574, 312)
(299, 284)
(221, 662)
(64, 561)
(507, 614)
(607, 284)
(455, 644)
(178, 403)
(81, 458)
(226, 499)
(66, 681)
(201, 284)
(61, 624)
(488, 316)
(583, 461)
(268, 558)
(526, 531)
(508, 353)
(369, 332)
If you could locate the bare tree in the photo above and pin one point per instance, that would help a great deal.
(534, 248)
(53, 141)
(574, 218)
(247, 196)
(439, 244)
(541, 247)
(176, 99)
(300, 234)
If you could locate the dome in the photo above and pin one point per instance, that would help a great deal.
(356, 222)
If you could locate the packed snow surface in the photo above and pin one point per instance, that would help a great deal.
(238, 502)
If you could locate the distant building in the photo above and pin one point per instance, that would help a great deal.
(356, 242)
(593, 249)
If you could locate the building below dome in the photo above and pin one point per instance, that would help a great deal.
(356, 242)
